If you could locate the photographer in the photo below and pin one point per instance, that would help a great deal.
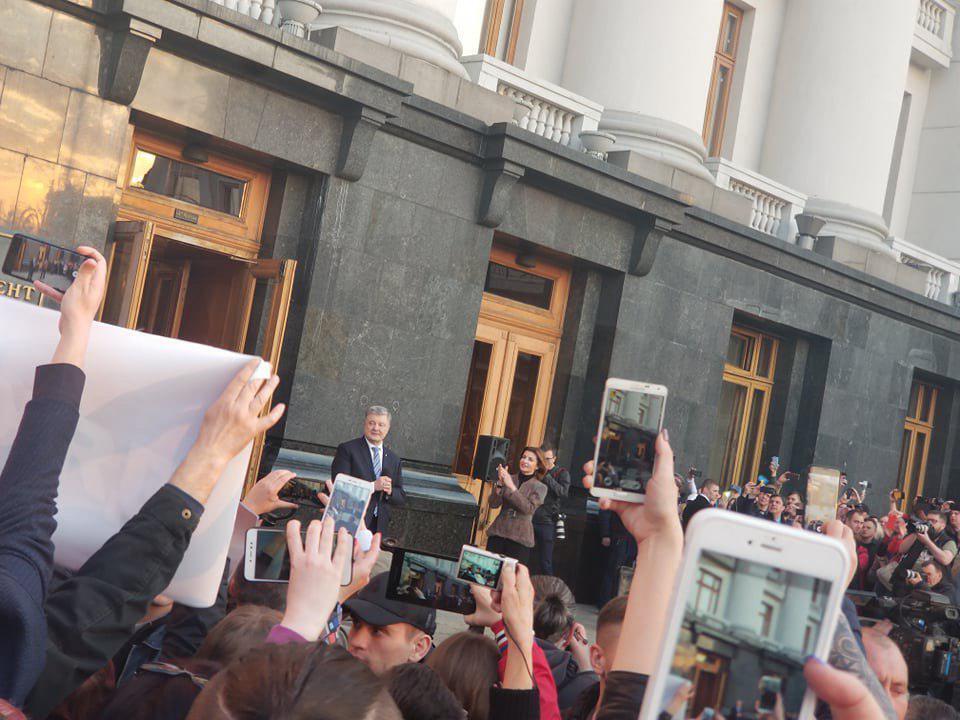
(937, 543)
(557, 480)
(933, 577)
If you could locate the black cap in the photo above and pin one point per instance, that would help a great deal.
(372, 606)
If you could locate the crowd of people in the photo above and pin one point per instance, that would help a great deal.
(104, 642)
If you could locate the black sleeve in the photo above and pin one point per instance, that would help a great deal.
(341, 462)
(398, 497)
(515, 704)
(187, 627)
(92, 614)
(623, 696)
(559, 485)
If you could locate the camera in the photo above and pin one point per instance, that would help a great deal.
(917, 527)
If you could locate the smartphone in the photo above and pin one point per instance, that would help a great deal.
(631, 419)
(429, 580)
(30, 259)
(481, 567)
(769, 690)
(752, 599)
(266, 558)
(348, 502)
(823, 488)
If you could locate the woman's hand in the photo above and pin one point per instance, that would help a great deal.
(488, 611)
(847, 697)
(363, 562)
(264, 497)
(78, 306)
(516, 599)
(838, 531)
(314, 576)
(505, 478)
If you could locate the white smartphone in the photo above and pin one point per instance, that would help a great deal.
(348, 502)
(481, 567)
(752, 601)
(266, 558)
(630, 420)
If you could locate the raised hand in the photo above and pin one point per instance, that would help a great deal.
(315, 572)
(363, 563)
(264, 497)
(847, 697)
(488, 611)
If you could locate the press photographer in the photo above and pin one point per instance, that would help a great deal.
(924, 542)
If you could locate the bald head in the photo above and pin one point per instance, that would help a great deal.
(887, 662)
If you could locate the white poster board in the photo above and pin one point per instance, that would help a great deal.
(144, 400)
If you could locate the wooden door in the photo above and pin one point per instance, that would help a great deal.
(128, 256)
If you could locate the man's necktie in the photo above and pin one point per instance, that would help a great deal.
(377, 465)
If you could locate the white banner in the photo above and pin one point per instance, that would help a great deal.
(142, 406)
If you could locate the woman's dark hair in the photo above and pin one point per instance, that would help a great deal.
(467, 664)
(301, 681)
(421, 695)
(241, 591)
(553, 607)
(238, 633)
(541, 464)
(164, 695)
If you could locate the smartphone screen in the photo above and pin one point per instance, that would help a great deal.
(479, 568)
(625, 445)
(823, 487)
(429, 580)
(348, 503)
(31, 259)
(746, 630)
(272, 561)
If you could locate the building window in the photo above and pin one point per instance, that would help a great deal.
(809, 634)
(917, 433)
(744, 406)
(766, 619)
(724, 62)
(708, 593)
(501, 28)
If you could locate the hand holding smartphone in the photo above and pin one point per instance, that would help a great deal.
(752, 601)
(267, 558)
(482, 567)
(631, 419)
(348, 502)
(35, 260)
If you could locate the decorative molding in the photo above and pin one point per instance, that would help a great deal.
(356, 139)
(856, 225)
(648, 233)
(660, 139)
(499, 177)
(125, 56)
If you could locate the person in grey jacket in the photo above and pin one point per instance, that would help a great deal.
(520, 495)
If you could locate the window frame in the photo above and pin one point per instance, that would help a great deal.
(711, 590)
(714, 127)
(916, 426)
(492, 22)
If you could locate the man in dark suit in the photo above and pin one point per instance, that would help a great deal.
(366, 458)
(709, 494)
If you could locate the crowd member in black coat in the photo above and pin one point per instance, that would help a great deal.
(367, 458)
(621, 550)
(557, 480)
(708, 497)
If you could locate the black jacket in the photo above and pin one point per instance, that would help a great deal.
(567, 675)
(93, 613)
(28, 491)
(621, 701)
(353, 458)
(558, 486)
(692, 508)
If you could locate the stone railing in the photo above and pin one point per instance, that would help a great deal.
(933, 33)
(942, 275)
(551, 111)
(263, 10)
(774, 205)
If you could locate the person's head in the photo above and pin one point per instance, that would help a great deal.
(710, 490)
(386, 632)
(854, 520)
(868, 531)
(160, 691)
(932, 572)
(531, 462)
(467, 665)
(955, 520)
(887, 663)
(548, 451)
(553, 607)
(421, 695)
(776, 505)
(297, 680)
(763, 498)
(241, 591)
(938, 522)
(609, 622)
(376, 424)
(924, 707)
(238, 633)
(795, 501)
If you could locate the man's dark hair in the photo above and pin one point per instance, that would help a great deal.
(938, 565)
(924, 707)
(421, 695)
(160, 696)
(238, 633)
(938, 513)
(265, 594)
(548, 446)
(612, 613)
(709, 483)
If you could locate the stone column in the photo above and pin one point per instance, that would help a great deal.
(833, 115)
(649, 64)
(419, 28)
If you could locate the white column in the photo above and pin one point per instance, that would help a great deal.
(833, 115)
(649, 64)
(420, 28)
